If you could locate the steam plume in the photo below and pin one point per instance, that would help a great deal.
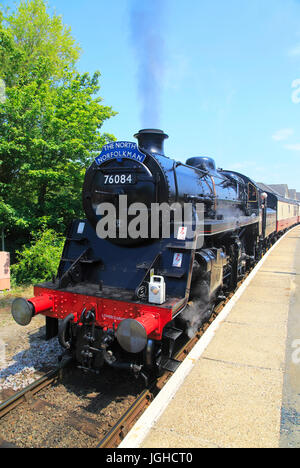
(146, 24)
(195, 315)
(199, 309)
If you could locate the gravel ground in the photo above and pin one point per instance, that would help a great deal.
(22, 369)
(77, 412)
(24, 353)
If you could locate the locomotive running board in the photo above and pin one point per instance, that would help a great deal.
(169, 364)
(172, 333)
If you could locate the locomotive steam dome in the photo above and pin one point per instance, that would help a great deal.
(202, 162)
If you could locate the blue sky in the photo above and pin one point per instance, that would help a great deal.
(222, 77)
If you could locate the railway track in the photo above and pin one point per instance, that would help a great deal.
(61, 409)
(25, 394)
(119, 430)
(125, 423)
(123, 426)
(116, 434)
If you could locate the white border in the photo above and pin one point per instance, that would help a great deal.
(140, 430)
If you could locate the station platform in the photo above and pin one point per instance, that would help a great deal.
(240, 387)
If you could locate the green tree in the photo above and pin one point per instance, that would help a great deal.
(39, 261)
(31, 33)
(49, 124)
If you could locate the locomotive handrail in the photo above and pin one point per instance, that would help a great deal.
(119, 169)
(66, 275)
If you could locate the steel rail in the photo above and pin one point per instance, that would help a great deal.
(118, 432)
(121, 428)
(26, 393)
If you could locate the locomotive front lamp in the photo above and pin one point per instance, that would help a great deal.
(22, 311)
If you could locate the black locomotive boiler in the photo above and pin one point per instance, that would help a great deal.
(123, 300)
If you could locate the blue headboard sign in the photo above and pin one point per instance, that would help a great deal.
(119, 150)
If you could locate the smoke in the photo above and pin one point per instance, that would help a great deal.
(199, 309)
(195, 315)
(230, 212)
(146, 24)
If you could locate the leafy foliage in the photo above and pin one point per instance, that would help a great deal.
(30, 34)
(39, 261)
(49, 124)
(49, 136)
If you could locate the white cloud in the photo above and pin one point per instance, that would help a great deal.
(296, 93)
(295, 147)
(283, 134)
(295, 51)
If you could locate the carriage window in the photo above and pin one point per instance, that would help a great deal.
(252, 193)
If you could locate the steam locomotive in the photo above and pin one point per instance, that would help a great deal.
(129, 283)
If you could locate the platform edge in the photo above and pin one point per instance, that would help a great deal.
(142, 427)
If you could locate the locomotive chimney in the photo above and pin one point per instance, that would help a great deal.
(151, 140)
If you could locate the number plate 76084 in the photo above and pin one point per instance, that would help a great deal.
(118, 179)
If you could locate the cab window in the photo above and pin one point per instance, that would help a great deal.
(252, 193)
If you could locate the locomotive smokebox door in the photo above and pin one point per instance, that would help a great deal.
(157, 290)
